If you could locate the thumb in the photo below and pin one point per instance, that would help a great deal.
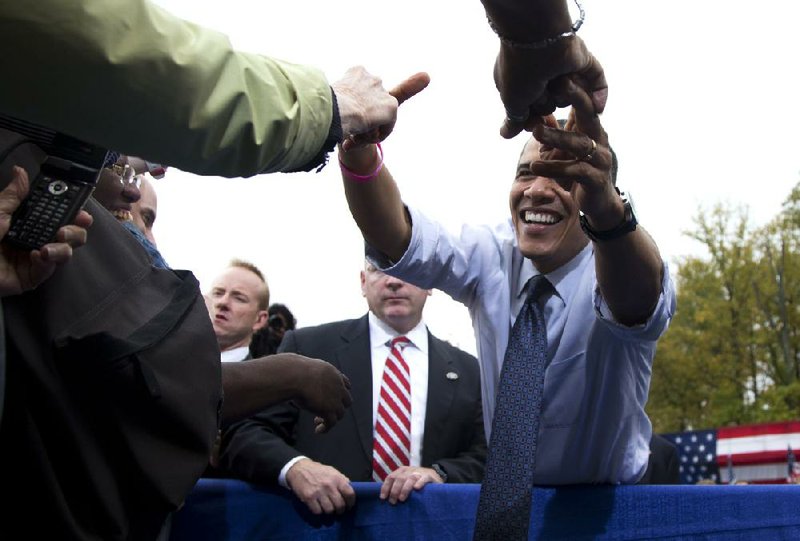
(595, 83)
(11, 197)
(410, 87)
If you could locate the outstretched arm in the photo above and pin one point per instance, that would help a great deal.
(538, 46)
(254, 385)
(629, 268)
(219, 111)
(375, 203)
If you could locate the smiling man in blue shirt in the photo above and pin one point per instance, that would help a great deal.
(610, 301)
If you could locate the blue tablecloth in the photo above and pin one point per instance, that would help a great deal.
(231, 510)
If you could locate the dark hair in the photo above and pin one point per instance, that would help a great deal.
(282, 309)
(267, 339)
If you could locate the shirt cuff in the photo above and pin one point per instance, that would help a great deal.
(282, 475)
(656, 324)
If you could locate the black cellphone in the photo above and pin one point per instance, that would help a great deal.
(66, 178)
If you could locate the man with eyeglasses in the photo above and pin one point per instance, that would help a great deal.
(145, 209)
(118, 190)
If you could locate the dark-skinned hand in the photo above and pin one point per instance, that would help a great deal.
(22, 270)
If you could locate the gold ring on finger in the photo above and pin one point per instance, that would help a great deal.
(590, 154)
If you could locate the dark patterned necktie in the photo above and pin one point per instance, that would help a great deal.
(504, 507)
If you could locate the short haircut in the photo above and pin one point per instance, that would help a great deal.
(263, 299)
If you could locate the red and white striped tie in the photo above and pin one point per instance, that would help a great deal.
(391, 447)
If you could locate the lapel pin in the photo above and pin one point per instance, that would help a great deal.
(451, 376)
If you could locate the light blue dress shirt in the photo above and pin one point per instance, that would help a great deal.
(593, 427)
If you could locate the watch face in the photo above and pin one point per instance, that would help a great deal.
(627, 200)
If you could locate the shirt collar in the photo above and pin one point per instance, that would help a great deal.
(235, 354)
(380, 333)
(562, 279)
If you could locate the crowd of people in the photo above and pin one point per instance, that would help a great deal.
(568, 297)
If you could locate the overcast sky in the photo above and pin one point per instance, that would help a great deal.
(702, 108)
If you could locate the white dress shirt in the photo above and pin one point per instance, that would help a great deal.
(235, 355)
(416, 355)
(593, 428)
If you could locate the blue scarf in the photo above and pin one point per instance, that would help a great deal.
(152, 251)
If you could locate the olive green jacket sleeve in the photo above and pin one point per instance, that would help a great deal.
(128, 75)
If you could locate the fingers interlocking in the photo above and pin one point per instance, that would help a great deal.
(589, 155)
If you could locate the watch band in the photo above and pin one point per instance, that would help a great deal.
(628, 224)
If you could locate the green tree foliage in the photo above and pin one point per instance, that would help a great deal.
(732, 353)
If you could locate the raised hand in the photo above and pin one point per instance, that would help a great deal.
(529, 79)
(367, 110)
(579, 158)
(325, 392)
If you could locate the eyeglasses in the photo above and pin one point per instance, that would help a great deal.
(127, 175)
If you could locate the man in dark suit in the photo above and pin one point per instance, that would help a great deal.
(662, 465)
(447, 441)
(237, 304)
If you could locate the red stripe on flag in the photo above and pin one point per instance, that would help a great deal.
(758, 430)
(780, 481)
(763, 457)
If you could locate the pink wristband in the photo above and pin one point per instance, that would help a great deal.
(355, 177)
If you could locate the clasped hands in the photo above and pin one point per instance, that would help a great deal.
(531, 81)
(578, 157)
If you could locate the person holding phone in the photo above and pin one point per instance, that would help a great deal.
(21, 269)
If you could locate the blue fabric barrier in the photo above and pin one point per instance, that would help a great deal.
(223, 510)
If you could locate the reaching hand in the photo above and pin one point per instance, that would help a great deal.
(368, 112)
(322, 488)
(528, 80)
(21, 270)
(325, 392)
(579, 158)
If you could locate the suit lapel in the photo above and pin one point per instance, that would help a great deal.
(441, 391)
(355, 360)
